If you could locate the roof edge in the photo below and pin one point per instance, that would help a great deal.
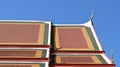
(90, 25)
(23, 21)
(87, 24)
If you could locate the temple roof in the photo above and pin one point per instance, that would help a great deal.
(76, 37)
(24, 33)
(28, 43)
(77, 45)
(24, 43)
(23, 53)
(70, 58)
(23, 65)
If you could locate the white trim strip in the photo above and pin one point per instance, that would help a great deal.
(46, 64)
(23, 21)
(49, 33)
(75, 54)
(23, 48)
(67, 25)
(48, 53)
(89, 24)
(19, 62)
(106, 59)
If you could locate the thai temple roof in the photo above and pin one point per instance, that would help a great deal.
(81, 59)
(25, 33)
(33, 43)
(76, 37)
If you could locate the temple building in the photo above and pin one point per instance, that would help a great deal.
(30, 43)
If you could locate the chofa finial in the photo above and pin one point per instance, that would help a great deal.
(92, 16)
(112, 56)
(90, 22)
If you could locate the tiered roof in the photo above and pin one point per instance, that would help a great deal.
(77, 45)
(24, 43)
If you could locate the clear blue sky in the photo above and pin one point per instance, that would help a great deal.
(106, 20)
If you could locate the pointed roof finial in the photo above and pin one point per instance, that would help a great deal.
(112, 56)
(92, 16)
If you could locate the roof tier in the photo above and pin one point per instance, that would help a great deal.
(24, 43)
(75, 38)
(24, 33)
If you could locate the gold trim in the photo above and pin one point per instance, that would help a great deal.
(87, 38)
(38, 54)
(35, 65)
(57, 43)
(41, 34)
(58, 60)
(96, 60)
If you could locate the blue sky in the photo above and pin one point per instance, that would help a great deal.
(106, 20)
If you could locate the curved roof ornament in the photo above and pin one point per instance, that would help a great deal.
(92, 16)
(112, 56)
(90, 22)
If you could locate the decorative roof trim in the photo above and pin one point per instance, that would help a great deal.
(67, 25)
(24, 21)
(46, 64)
(23, 48)
(49, 32)
(90, 25)
(48, 53)
(77, 54)
(106, 58)
(14, 62)
(92, 16)
(21, 62)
